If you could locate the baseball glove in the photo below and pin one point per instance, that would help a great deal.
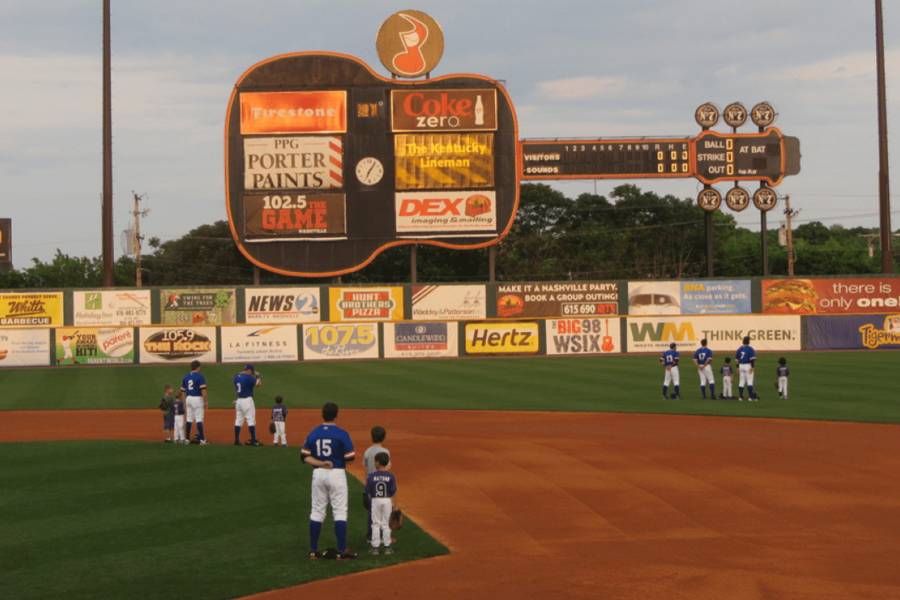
(271, 426)
(396, 519)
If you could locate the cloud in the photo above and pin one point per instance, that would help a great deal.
(856, 65)
(581, 88)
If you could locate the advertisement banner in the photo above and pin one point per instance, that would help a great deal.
(293, 163)
(282, 305)
(31, 308)
(851, 332)
(333, 341)
(294, 112)
(188, 306)
(126, 307)
(444, 161)
(24, 348)
(444, 110)
(420, 340)
(445, 212)
(583, 336)
(293, 217)
(502, 338)
(830, 296)
(699, 297)
(177, 344)
(259, 344)
(366, 303)
(558, 299)
(94, 345)
(724, 333)
(448, 302)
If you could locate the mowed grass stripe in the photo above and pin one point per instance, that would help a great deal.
(132, 519)
(833, 385)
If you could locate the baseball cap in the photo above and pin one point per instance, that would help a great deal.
(249, 368)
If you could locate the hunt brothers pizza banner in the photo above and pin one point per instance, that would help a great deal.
(558, 299)
(830, 296)
(27, 309)
(850, 332)
(724, 333)
(366, 304)
(583, 336)
(94, 346)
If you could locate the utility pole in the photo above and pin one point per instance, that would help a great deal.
(789, 214)
(137, 213)
(884, 189)
(106, 219)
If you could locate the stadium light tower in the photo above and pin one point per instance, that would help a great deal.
(106, 211)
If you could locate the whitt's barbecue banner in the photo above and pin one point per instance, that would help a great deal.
(724, 333)
(282, 305)
(830, 296)
(255, 343)
(335, 341)
(699, 297)
(558, 299)
(94, 345)
(502, 338)
(599, 335)
(177, 344)
(24, 348)
(125, 307)
(366, 303)
(852, 332)
(198, 306)
(32, 308)
(420, 340)
(449, 302)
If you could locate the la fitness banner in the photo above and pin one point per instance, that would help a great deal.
(24, 348)
(94, 345)
(189, 306)
(830, 296)
(282, 305)
(421, 340)
(502, 338)
(177, 344)
(33, 308)
(697, 297)
(334, 341)
(259, 343)
(724, 333)
(448, 302)
(851, 332)
(366, 303)
(126, 307)
(557, 299)
(583, 336)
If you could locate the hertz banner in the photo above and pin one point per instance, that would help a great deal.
(442, 161)
(37, 308)
(502, 338)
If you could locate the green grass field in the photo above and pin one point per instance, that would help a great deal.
(147, 520)
(851, 386)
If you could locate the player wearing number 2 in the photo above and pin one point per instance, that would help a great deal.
(193, 388)
(328, 449)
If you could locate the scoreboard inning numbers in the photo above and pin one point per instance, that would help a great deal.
(613, 158)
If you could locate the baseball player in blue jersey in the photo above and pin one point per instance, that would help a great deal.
(244, 408)
(328, 449)
(746, 359)
(381, 487)
(703, 359)
(193, 388)
(669, 360)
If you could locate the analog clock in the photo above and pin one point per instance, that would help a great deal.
(369, 170)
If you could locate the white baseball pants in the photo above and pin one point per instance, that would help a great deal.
(179, 428)
(329, 486)
(706, 376)
(244, 409)
(381, 517)
(783, 386)
(672, 376)
(746, 374)
(195, 409)
(279, 433)
(726, 386)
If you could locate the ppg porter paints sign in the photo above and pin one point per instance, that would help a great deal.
(341, 163)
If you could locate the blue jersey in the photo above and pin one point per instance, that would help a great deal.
(279, 413)
(192, 383)
(745, 355)
(329, 442)
(782, 371)
(178, 407)
(669, 358)
(243, 385)
(703, 356)
(381, 484)
(727, 371)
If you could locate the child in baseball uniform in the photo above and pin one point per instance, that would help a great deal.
(166, 405)
(782, 372)
(727, 373)
(279, 417)
(378, 435)
(178, 410)
(381, 487)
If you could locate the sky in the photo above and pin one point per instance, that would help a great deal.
(594, 68)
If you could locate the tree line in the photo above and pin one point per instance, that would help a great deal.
(632, 234)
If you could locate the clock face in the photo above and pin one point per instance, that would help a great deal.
(369, 170)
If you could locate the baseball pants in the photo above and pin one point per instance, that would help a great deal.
(244, 410)
(381, 516)
(706, 376)
(279, 433)
(179, 428)
(195, 409)
(746, 375)
(672, 376)
(329, 486)
(783, 386)
(726, 386)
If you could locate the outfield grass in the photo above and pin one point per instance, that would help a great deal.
(142, 520)
(852, 386)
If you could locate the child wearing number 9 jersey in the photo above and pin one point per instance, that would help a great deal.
(381, 487)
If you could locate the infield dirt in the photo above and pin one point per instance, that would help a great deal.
(595, 505)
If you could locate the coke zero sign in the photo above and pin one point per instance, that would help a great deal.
(444, 110)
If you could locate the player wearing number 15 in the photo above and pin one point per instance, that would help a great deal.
(328, 449)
